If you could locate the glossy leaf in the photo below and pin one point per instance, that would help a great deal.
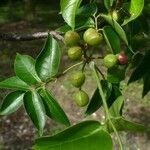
(124, 125)
(14, 83)
(116, 108)
(86, 135)
(53, 109)
(112, 39)
(25, 69)
(135, 9)
(12, 103)
(96, 100)
(108, 3)
(69, 9)
(47, 63)
(116, 27)
(35, 109)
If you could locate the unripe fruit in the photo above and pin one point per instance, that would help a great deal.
(110, 60)
(92, 37)
(77, 79)
(123, 59)
(71, 38)
(75, 53)
(81, 98)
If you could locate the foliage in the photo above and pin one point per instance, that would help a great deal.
(33, 75)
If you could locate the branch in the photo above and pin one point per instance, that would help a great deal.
(29, 37)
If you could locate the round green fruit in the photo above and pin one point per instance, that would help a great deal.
(71, 38)
(77, 79)
(81, 98)
(110, 60)
(75, 53)
(92, 37)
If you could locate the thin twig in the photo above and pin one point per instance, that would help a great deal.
(30, 36)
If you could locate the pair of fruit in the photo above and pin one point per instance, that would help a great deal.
(72, 38)
(111, 60)
(77, 79)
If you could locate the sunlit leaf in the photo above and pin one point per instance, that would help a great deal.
(135, 9)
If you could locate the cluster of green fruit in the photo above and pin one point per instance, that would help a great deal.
(72, 39)
(75, 52)
(93, 38)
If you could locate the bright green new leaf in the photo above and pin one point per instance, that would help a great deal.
(25, 69)
(135, 9)
(12, 103)
(47, 63)
(124, 125)
(112, 39)
(116, 27)
(69, 9)
(35, 109)
(116, 108)
(86, 135)
(14, 83)
(53, 109)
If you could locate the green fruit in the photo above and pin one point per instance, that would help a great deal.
(75, 53)
(110, 60)
(71, 38)
(92, 37)
(81, 98)
(77, 79)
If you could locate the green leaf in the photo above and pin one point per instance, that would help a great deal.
(142, 69)
(116, 27)
(135, 9)
(86, 135)
(35, 109)
(47, 63)
(115, 93)
(69, 9)
(146, 87)
(124, 125)
(53, 109)
(25, 69)
(96, 100)
(83, 18)
(87, 10)
(116, 108)
(82, 23)
(108, 3)
(112, 39)
(14, 83)
(12, 103)
(116, 74)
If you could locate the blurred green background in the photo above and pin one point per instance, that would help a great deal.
(16, 130)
